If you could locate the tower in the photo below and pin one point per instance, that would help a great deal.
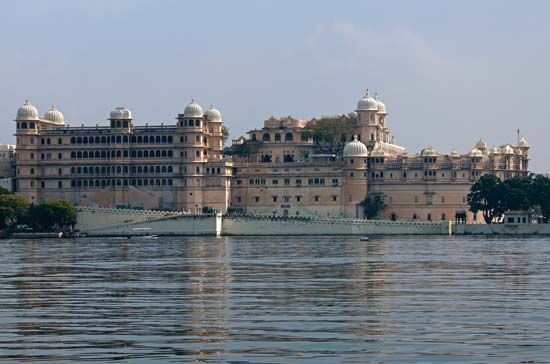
(355, 178)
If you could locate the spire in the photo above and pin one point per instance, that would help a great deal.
(367, 93)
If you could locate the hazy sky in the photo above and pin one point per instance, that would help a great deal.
(448, 72)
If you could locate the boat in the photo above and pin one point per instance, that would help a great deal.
(364, 238)
(150, 237)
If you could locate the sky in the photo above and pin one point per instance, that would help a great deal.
(448, 72)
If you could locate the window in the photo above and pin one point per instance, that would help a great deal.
(316, 198)
(442, 200)
(275, 182)
(59, 171)
(334, 198)
(274, 198)
(298, 198)
(59, 184)
(286, 198)
(59, 156)
(415, 199)
(256, 198)
(32, 170)
(239, 198)
(443, 217)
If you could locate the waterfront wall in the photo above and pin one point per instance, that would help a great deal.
(119, 222)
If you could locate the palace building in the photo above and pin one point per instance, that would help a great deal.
(181, 166)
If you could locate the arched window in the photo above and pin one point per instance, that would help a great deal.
(85, 140)
(79, 140)
(133, 154)
(125, 124)
(85, 154)
(103, 140)
(125, 139)
(277, 137)
(97, 154)
(163, 169)
(73, 170)
(139, 139)
(170, 139)
(429, 217)
(73, 140)
(170, 153)
(118, 169)
(96, 140)
(73, 155)
(118, 154)
(125, 154)
(146, 154)
(103, 170)
(414, 216)
(254, 137)
(157, 139)
(163, 153)
(85, 170)
(139, 154)
(139, 169)
(197, 123)
(157, 169)
(288, 137)
(266, 137)
(103, 154)
(79, 170)
(145, 139)
(96, 170)
(118, 139)
(133, 139)
(443, 217)
(197, 170)
(157, 153)
(170, 169)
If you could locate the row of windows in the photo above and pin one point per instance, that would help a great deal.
(288, 198)
(286, 181)
(121, 169)
(122, 153)
(99, 183)
(118, 139)
(266, 137)
(190, 123)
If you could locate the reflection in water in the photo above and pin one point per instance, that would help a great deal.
(275, 300)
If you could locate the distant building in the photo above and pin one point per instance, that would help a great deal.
(7, 163)
(180, 166)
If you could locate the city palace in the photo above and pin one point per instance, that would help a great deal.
(182, 166)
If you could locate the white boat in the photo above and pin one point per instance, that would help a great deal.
(150, 237)
(364, 238)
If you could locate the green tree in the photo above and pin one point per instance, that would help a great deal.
(225, 134)
(516, 193)
(3, 191)
(330, 133)
(246, 149)
(487, 196)
(540, 195)
(372, 205)
(52, 215)
(13, 210)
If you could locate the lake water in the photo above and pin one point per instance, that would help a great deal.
(276, 300)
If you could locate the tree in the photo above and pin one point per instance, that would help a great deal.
(225, 133)
(246, 149)
(52, 215)
(372, 205)
(330, 133)
(13, 209)
(540, 195)
(515, 193)
(486, 196)
(3, 191)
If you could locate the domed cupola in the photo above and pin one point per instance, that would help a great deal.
(213, 114)
(27, 112)
(355, 149)
(429, 152)
(454, 153)
(367, 103)
(475, 153)
(55, 116)
(193, 110)
(481, 144)
(120, 113)
(381, 105)
(507, 149)
(523, 143)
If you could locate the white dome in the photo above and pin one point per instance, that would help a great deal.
(355, 149)
(507, 150)
(367, 103)
(454, 153)
(481, 144)
(523, 143)
(495, 150)
(475, 153)
(193, 110)
(54, 116)
(121, 113)
(381, 105)
(27, 112)
(213, 114)
(429, 152)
